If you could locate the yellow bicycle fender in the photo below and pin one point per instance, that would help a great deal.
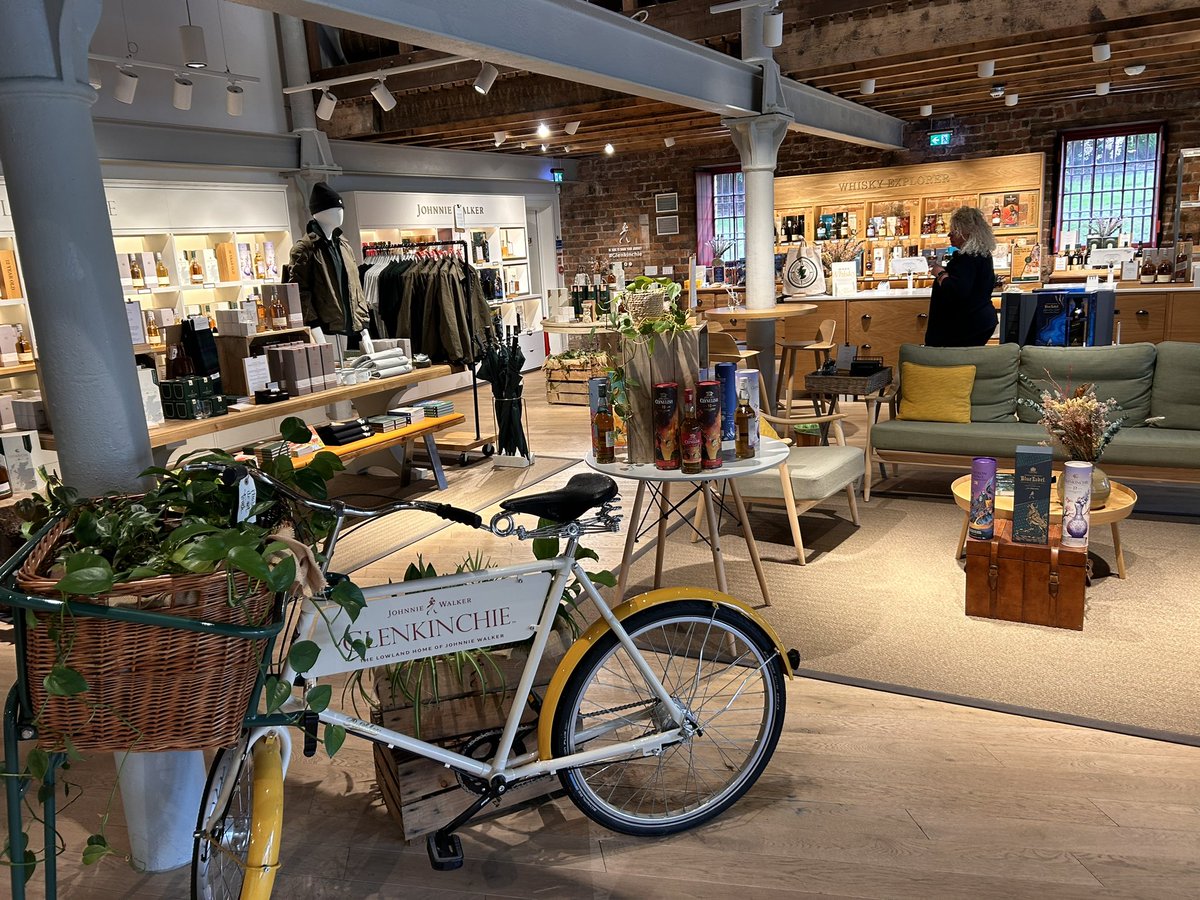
(266, 826)
(598, 628)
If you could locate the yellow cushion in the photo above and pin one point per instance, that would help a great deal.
(936, 393)
(765, 429)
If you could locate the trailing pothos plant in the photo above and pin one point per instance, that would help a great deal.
(643, 333)
(185, 524)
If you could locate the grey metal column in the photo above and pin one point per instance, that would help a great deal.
(52, 176)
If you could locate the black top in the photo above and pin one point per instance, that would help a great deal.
(960, 308)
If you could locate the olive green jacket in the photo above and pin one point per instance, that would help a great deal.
(338, 311)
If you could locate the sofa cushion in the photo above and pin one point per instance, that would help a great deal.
(1124, 373)
(994, 394)
(935, 393)
(1176, 395)
(1175, 448)
(817, 472)
(998, 439)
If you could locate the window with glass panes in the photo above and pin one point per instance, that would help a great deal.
(729, 213)
(1109, 175)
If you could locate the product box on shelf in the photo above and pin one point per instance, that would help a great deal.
(8, 420)
(165, 316)
(227, 262)
(245, 262)
(257, 373)
(270, 261)
(328, 365)
(10, 280)
(1031, 495)
(29, 411)
(212, 271)
(8, 345)
(152, 404)
(289, 295)
(136, 319)
(122, 269)
(288, 364)
(149, 268)
(24, 455)
(316, 367)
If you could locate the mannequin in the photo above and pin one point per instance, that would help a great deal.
(323, 265)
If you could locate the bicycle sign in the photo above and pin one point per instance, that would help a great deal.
(417, 619)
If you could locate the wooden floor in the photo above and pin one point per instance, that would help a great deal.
(870, 795)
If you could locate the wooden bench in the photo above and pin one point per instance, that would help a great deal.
(399, 442)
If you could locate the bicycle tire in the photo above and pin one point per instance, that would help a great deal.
(221, 859)
(672, 636)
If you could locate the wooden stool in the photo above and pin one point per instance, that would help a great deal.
(723, 348)
(821, 346)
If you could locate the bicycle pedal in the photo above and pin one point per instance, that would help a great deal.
(445, 851)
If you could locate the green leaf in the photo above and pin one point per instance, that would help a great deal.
(88, 581)
(249, 561)
(139, 572)
(303, 655)
(326, 464)
(185, 533)
(77, 561)
(335, 736)
(64, 681)
(282, 574)
(604, 578)
(295, 429)
(586, 553)
(318, 698)
(312, 483)
(38, 762)
(72, 753)
(277, 693)
(349, 597)
(93, 853)
(87, 530)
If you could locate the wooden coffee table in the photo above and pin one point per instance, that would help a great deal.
(1119, 505)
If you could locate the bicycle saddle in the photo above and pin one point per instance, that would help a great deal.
(584, 491)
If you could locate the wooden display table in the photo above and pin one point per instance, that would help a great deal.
(1118, 508)
(735, 314)
(399, 442)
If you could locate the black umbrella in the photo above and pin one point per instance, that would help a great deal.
(501, 367)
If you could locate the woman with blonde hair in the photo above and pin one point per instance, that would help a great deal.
(960, 308)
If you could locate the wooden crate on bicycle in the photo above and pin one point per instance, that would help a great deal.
(422, 795)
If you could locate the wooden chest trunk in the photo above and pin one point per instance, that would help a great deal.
(1034, 583)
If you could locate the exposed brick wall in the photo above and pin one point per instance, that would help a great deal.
(617, 189)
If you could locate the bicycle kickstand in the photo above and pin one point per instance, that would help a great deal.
(444, 846)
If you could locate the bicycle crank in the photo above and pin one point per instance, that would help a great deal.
(483, 747)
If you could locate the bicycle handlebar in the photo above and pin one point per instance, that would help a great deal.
(231, 473)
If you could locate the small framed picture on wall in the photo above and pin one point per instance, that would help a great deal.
(666, 203)
(666, 225)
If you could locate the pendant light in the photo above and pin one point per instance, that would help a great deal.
(191, 37)
(986, 69)
(383, 96)
(1101, 50)
(499, 137)
(866, 86)
(326, 105)
(1010, 99)
(1102, 88)
(486, 78)
(181, 92)
(234, 99)
(126, 85)
(926, 111)
(571, 127)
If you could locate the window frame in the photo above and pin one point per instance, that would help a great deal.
(711, 174)
(1123, 130)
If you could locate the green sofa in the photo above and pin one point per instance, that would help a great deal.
(1147, 380)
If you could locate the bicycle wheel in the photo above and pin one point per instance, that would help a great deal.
(236, 859)
(721, 669)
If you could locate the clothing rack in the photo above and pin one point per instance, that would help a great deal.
(376, 248)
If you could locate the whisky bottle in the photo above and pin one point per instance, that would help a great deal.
(1166, 268)
(603, 436)
(24, 348)
(996, 216)
(870, 229)
(197, 271)
(743, 418)
(1149, 270)
(691, 437)
(153, 334)
(262, 312)
(260, 265)
(135, 272)
(278, 314)
(164, 277)
(212, 322)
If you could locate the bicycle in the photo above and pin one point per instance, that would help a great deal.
(659, 717)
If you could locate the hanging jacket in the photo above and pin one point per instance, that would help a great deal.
(331, 296)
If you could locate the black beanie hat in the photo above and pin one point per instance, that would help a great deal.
(324, 197)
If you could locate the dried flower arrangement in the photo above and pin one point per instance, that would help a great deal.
(1076, 419)
(846, 250)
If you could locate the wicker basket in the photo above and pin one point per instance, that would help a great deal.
(644, 306)
(149, 688)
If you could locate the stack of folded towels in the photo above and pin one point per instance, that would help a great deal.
(384, 363)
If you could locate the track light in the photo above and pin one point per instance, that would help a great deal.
(986, 69)
(95, 78)
(1136, 69)
(609, 149)
(571, 127)
(543, 130)
(524, 145)
(1101, 51)
(1010, 99)
(772, 35)
(926, 111)
(996, 92)
(235, 98)
(126, 85)
(1102, 88)
(383, 96)
(668, 142)
(866, 86)
(181, 93)
(194, 54)
(486, 78)
(499, 137)
(325, 105)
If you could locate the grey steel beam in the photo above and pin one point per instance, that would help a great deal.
(581, 42)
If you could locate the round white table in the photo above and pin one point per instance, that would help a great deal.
(771, 454)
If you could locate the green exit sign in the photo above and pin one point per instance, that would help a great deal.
(940, 138)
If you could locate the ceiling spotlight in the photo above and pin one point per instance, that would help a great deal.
(383, 96)
(325, 106)
(126, 84)
(235, 99)
(486, 78)
(499, 137)
(181, 92)
(926, 110)
(1101, 51)
(772, 35)
(543, 130)
(996, 92)
(524, 145)
(866, 86)
(571, 127)
(194, 54)
(609, 149)
(543, 148)
(1010, 99)
(986, 69)
(1102, 88)
(1136, 69)
(669, 141)
(94, 77)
